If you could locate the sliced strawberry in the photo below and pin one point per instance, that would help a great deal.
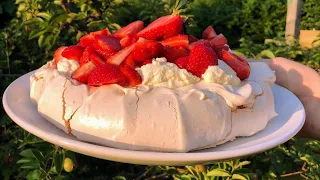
(200, 58)
(104, 32)
(57, 55)
(106, 43)
(73, 52)
(128, 40)
(105, 54)
(179, 40)
(105, 74)
(128, 61)
(149, 61)
(192, 39)
(132, 76)
(209, 33)
(163, 28)
(218, 40)
(218, 49)
(85, 58)
(182, 62)
(82, 73)
(173, 53)
(146, 49)
(238, 64)
(201, 41)
(86, 40)
(97, 60)
(121, 55)
(131, 29)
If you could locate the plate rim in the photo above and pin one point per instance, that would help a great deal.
(136, 157)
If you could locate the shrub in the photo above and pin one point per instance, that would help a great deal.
(310, 15)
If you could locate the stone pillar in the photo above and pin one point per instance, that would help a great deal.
(293, 19)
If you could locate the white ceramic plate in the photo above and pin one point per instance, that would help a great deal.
(291, 116)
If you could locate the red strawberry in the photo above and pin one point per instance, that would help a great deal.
(209, 33)
(132, 76)
(86, 40)
(128, 40)
(173, 53)
(105, 74)
(105, 54)
(131, 29)
(73, 52)
(121, 55)
(238, 64)
(218, 49)
(179, 40)
(106, 43)
(192, 39)
(201, 41)
(149, 61)
(163, 28)
(82, 73)
(85, 58)
(57, 55)
(104, 32)
(182, 62)
(128, 61)
(200, 58)
(218, 40)
(146, 49)
(96, 59)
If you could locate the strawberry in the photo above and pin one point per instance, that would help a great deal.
(104, 32)
(86, 40)
(149, 61)
(131, 75)
(96, 59)
(182, 62)
(131, 29)
(173, 53)
(73, 52)
(218, 40)
(163, 28)
(57, 55)
(218, 49)
(192, 39)
(200, 58)
(105, 74)
(81, 74)
(179, 40)
(209, 33)
(85, 58)
(146, 49)
(105, 54)
(238, 64)
(128, 61)
(121, 55)
(201, 41)
(106, 43)
(126, 41)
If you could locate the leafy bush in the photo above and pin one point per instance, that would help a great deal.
(310, 15)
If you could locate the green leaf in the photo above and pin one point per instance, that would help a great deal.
(219, 173)
(35, 20)
(185, 177)
(53, 170)
(44, 15)
(24, 160)
(56, 19)
(58, 159)
(37, 33)
(243, 163)
(30, 165)
(238, 176)
(267, 53)
(119, 178)
(40, 40)
(27, 153)
(34, 175)
(5, 120)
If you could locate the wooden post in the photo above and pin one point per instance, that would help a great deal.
(293, 19)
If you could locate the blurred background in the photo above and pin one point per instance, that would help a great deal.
(31, 30)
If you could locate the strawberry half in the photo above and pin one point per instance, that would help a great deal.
(131, 29)
(105, 74)
(218, 49)
(121, 55)
(73, 52)
(104, 32)
(86, 40)
(82, 73)
(179, 40)
(218, 40)
(192, 39)
(239, 65)
(163, 28)
(96, 59)
(209, 33)
(128, 61)
(201, 41)
(131, 75)
(127, 40)
(57, 55)
(85, 58)
(146, 49)
(173, 53)
(107, 43)
(200, 58)
(182, 62)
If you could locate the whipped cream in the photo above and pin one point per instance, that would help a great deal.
(164, 74)
(66, 66)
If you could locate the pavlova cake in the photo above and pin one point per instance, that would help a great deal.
(154, 89)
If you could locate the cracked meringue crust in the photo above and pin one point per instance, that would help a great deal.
(150, 118)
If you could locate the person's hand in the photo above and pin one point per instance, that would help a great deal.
(304, 82)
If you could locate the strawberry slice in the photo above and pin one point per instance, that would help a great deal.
(131, 29)
(182, 62)
(82, 73)
(57, 55)
(173, 53)
(192, 39)
(179, 40)
(238, 64)
(201, 41)
(85, 58)
(106, 43)
(209, 33)
(218, 40)
(146, 49)
(96, 59)
(132, 76)
(163, 28)
(121, 55)
(128, 61)
(200, 58)
(73, 52)
(149, 61)
(128, 40)
(104, 32)
(218, 49)
(105, 74)
(86, 40)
